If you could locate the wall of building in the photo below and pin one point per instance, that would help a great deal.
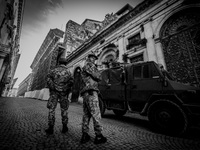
(46, 58)
(11, 16)
(24, 86)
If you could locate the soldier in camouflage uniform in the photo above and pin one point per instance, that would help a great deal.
(59, 82)
(89, 91)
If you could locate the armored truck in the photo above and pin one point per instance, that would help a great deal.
(148, 89)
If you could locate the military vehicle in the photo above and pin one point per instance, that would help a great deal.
(148, 89)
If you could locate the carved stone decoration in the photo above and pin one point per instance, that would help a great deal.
(9, 11)
(76, 34)
(91, 27)
(108, 19)
(180, 36)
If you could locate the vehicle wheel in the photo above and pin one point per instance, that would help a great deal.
(119, 112)
(102, 107)
(167, 117)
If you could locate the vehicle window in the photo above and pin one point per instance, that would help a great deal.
(115, 75)
(146, 71)
(137, 72)
(154, 72)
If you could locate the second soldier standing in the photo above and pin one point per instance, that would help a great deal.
(59, 81)
(89, 91)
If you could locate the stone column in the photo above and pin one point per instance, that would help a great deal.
(2, 71)
(121, 47)
(1, 62)
(148, 33)
(160, 55)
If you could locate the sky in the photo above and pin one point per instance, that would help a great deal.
(42, 15)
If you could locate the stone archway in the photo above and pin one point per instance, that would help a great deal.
(180, 38)
(76, 86)
(109, 54)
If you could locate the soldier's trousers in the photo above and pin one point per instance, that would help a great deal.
(52, 104)
(91, 110)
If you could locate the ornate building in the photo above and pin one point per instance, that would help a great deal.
(166, 32)
(46, 58)
(11, 16)
(76, 35)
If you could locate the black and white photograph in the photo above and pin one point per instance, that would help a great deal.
(99, 75)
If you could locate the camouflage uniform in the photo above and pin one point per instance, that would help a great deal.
(59, 81)
(89, 92)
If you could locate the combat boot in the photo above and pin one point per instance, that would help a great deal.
(64, 129)
(85, 138)
(100, 139)
(49, 130)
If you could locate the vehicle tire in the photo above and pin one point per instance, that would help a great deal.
(102, 107)
(167, 117)
(119, 113)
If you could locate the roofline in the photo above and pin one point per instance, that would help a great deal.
(123, 9)
(90, 20)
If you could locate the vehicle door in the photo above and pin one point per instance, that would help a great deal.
(111, 87)
(144, 82)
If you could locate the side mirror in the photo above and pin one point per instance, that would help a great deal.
(165, 82)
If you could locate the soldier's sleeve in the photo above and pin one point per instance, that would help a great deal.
(69, 83)
(49, 80)
(92, 70)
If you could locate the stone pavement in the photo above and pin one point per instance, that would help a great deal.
(22, 124)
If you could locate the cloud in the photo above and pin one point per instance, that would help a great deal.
(36, 12)
(51, 2)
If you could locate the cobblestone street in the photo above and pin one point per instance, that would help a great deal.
(22, 124)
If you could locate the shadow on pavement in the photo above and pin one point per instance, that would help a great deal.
(192, 133)
(135, 121)
(142, 122)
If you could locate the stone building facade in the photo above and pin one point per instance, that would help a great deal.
(24, 86)
(164, 31)
(46, 58)
(11, 16)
